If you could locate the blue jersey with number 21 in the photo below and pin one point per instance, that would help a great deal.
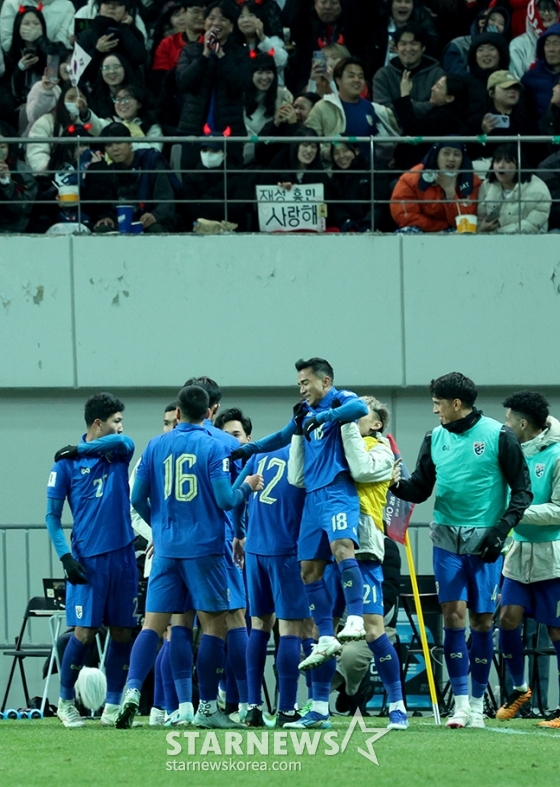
(180, 467)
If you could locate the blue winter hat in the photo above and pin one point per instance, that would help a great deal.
(465, 178)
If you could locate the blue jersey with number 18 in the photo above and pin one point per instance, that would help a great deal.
(274, 513)
(180, 467)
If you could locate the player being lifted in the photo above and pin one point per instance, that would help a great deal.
(101, 564)
(330, 517)
(182, 488)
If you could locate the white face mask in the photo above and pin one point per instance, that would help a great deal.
(30, 31)
(212, 158)
(72, 108)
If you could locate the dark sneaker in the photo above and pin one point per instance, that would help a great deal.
(515, 701)
(254, 718)
(285, 718)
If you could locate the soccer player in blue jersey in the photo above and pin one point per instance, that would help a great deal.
(100, 565)
(532, 564)
(473, 459)
(182, 488)
(330, 517)
(275, 587)
(235, 671)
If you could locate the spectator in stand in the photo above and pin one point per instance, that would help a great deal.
(286, 123)
(540, 80)
(447, 117)
(18, 187)
(321, 80)
(316, 24)
(549, 172)
(431, 196)
(262, 99)
(272, 10)
(7, 102)
(27, 58)
(43, 95)
(348, 113)
(211, 77)
(504, 113)
(71, 108)
(141, 178)
(549, 124)
(303, 104)
(400, 13)
(510, 201)
(541, 14)
(490, 20)
(91, 9)
(133, 110)
(518, 13)
(58, 15)
(256, 36)
(351, 190)
(113, 32)
(114, 72)
(411, 64)
(488, 53)
(181, 22)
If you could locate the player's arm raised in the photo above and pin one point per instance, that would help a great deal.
(119, 444)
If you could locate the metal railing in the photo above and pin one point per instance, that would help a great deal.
(379, 170)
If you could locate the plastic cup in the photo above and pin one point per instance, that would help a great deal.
(466, 222)
(68, 195)
(124, 216)
(136, 228)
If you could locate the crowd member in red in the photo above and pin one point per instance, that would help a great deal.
(181, 22)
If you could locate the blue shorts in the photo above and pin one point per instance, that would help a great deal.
(237, 594)
(329, 514)
(467, 578)
(541, 600)
(172, 579)
(372, 577)
(111, 594)
(274, 584)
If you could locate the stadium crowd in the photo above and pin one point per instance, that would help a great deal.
(288, 534)
(146, 69)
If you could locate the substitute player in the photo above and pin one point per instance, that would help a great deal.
(182, 488)
(330, 518)
(101, 564)
(473, 459)
(532, 565)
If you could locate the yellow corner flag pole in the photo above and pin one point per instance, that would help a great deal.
(422, 628)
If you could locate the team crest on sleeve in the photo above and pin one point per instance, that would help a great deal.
(52, 479)
(539, 470)
(479, 448)
(79, 612)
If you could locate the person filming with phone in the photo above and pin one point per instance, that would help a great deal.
(111, 32)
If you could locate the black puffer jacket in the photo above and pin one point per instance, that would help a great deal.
(478, 77)
(197, 77)
(131, 42)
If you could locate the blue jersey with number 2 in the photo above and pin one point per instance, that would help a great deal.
(180, 467)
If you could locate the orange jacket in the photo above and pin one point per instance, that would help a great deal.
(411, 207)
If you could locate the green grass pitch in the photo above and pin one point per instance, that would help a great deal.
(44, 753)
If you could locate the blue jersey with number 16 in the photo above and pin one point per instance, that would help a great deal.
(274, 513)
(180, 467)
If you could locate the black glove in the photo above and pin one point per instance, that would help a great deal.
(239, 453)
(310, 425)
(75, 572)
(335, 403)
(68, 452)
(493, 542)
(300, 411)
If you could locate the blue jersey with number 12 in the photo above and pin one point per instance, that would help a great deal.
(274, 513)
(180, 467)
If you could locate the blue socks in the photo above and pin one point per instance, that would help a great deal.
(142, 657)
(352, 586)
(307, 645)
(237, 654)
(387, 666)
(322, 679)
(209, 664)
(457, 660)
(320, 605)
(181, 660)
(116, 669)
(482, 651)
(556, 646)
(159, 696)
(230, 684)
(287, 661)
(72, 663)
(511, 646)
(256, 661)
(169, 692)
